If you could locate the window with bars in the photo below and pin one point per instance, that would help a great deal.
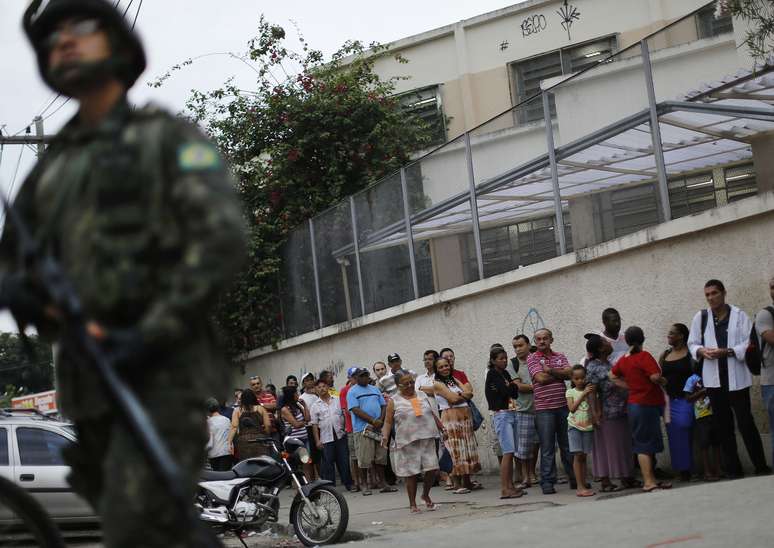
(528, 74)
(691, 195)
(425, 103)
(707, 25)
(634, 208)
(740, 182)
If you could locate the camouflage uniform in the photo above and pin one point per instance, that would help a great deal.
(141, 213)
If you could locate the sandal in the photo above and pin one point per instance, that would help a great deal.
(610, 488)
(475, 486)
(388, 489)
(587, 493)
(367, 492)
(650, 489)
(415, 510)
(664, 485)
(513, 495)
(461, 491)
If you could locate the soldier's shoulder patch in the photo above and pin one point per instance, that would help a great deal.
(197, 156)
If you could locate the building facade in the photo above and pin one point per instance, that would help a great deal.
(634, 125)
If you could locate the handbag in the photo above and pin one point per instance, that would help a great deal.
(445, 463)
(478, 418)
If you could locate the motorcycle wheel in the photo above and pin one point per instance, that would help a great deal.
(331, 523)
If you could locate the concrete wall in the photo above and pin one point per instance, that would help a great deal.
(653, 277)
(470, 58)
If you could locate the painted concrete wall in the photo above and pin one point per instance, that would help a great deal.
(653, 277)
(470, 58)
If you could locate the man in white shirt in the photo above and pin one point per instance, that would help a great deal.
(218, 451)
(764, 325)
(612, 332)
(425, 381)
(722, 345)
(388, 383)
(327, 420)
(309, 395)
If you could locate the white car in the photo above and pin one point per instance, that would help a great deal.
(31, 457)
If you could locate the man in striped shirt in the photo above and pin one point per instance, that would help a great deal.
(549, 371)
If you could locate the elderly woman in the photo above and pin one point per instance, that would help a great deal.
(413, 451)
(452, 397)
(612, 455)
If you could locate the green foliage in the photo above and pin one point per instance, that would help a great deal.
(21, 374)
(759, 15)
(298, 144)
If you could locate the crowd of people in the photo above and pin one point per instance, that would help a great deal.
(606, 408)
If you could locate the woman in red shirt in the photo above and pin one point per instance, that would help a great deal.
(642, 375)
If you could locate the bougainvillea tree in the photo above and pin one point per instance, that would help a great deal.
(310, 132)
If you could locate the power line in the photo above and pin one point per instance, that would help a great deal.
(137, 14)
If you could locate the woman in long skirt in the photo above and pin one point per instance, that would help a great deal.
(677, 366)
(458, 422)
(612, 456)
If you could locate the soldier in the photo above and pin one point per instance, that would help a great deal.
(139, 209)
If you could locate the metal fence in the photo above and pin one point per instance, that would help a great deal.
(490, 200)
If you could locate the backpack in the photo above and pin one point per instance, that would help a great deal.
(753, 356)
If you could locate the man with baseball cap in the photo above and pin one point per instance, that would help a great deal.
(388, 384)
(368, 407)
(353, 467)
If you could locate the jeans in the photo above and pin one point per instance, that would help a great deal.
(336, 454)
(551, 427)
(725, 405)
(767, 393)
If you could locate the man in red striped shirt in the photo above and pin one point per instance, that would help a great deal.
(549, 371)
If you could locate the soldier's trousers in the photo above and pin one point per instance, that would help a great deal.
(114, 475)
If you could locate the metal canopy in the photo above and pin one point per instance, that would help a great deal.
(712, 127)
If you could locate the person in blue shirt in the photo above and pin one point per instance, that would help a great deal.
(367, 406)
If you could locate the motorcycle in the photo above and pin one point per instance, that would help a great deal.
(248, 496)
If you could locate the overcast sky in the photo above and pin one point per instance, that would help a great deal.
(175, 30)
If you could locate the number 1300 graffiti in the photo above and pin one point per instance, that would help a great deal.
(533, 25)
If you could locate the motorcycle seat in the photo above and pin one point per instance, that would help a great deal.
(211, 475)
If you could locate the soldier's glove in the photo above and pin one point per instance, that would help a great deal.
(125, 347)
(18, 294)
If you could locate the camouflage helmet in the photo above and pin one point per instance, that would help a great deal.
(128, 59)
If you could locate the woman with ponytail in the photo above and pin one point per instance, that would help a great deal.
(642, 375)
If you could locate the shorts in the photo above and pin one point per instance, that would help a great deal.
(351, 447)
(580, 441)
(415, 458)
(492, 435)
(707, 434)
(505, 426)
(527, 438)
(369, 451)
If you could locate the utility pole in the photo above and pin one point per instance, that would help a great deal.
(39, 134)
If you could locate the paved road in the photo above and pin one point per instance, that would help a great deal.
(725, 514)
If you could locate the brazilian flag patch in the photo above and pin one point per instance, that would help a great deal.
(197, 156)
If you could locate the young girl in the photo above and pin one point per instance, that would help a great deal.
(706, 431)
(580, 425)
(645, 404)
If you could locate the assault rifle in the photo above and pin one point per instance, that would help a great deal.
(48, 273)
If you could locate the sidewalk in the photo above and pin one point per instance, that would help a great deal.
(379, 517)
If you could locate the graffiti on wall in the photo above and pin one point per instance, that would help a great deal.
(532, 322)
(569, 14)
(533, 24)
(334, 367)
